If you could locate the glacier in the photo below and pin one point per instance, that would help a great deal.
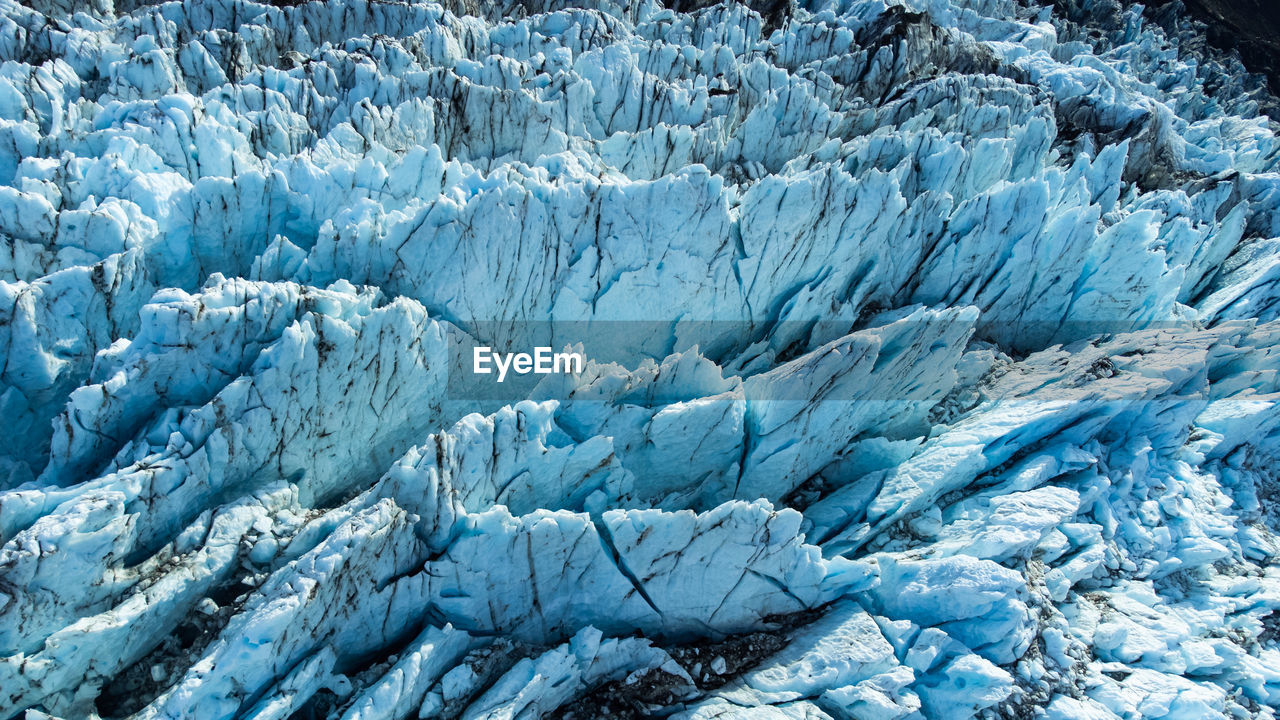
(933, 361)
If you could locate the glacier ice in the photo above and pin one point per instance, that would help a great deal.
(933, 361)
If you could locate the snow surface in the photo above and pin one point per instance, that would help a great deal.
(942, 376)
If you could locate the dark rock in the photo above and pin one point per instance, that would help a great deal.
(1250, 26)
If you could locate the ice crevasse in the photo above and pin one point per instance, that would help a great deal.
(945, 361)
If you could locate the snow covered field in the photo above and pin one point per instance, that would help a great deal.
(944, 362)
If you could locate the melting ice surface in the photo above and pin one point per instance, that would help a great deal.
(953, 383)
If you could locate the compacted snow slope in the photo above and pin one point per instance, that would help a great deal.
(942, 378)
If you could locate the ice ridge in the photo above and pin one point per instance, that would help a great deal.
(942, 376)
